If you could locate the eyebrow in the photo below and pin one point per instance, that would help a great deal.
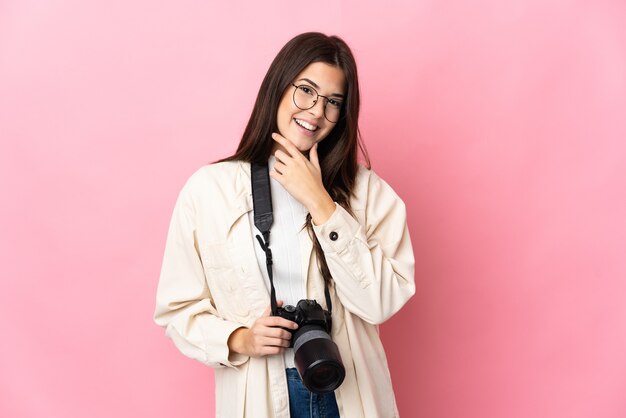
(312, 83)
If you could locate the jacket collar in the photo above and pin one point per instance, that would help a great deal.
(242, 201)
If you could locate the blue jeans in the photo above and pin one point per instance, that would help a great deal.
(304, 404)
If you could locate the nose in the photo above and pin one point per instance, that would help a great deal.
(318, 108)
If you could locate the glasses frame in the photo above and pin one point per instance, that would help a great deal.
(327, 99)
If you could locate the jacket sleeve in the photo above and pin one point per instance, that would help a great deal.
(371, 259)
(184, 305)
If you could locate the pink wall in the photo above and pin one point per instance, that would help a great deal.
(501, 123)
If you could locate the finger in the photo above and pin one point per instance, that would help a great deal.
(271, 336)
(285, 323)
(313, 157)
(271, 350)
(285, 335)
(277, 332)
(280, 167)
(277, 321)
(287, 145)
(274, 342)
(277, 176)
(281, 156)
(274, 321)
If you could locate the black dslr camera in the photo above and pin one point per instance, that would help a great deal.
(316, 355)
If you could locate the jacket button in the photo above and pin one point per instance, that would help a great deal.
(333, 236)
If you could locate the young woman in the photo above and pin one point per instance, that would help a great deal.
(337, 226)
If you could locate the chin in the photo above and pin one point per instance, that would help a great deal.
(303, 144)
(304, 148)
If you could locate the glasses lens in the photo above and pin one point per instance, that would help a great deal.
(304, 97)
(332, 111)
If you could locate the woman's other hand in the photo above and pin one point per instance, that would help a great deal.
(265, 337)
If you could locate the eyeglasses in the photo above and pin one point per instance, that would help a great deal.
(305, 97)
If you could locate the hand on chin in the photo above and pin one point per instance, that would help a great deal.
(303, 145)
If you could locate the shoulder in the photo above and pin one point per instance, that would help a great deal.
(223, 176)
(220, 172)
(216, 184)
(369, 187)
(377, 206)
(216, 194)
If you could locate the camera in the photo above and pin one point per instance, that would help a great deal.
(316, 356)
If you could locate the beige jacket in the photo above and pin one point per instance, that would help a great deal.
(211, 284)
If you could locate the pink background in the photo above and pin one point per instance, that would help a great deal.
(501, 123)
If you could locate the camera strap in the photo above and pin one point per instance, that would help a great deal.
(263, 220)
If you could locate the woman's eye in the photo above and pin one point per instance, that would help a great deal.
(307, 90)
(334, 103)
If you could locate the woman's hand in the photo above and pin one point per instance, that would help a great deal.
(302, 178)
(264, 338)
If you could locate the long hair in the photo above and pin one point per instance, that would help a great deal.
(338, 152)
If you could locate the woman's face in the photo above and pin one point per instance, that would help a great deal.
(303, 128)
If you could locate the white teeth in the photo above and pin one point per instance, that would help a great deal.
(305, 125)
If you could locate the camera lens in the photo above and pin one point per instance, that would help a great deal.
(317, 360)
(325, 377)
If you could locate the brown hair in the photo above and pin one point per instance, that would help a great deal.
(338, 152)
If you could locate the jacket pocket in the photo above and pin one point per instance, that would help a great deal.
(216, 256)
(224, 281)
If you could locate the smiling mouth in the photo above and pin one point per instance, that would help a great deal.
(306, 125)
